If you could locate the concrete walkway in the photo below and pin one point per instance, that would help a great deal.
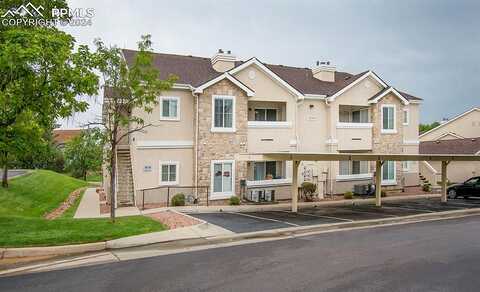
(89, 206)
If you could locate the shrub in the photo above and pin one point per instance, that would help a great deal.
(383, 194)
(348, 195)
(234, 200)
(178, 200)
(426, 187)
(309, 190)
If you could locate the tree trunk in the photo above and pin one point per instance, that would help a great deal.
(85, 176)
(113, 174)
(5, 171)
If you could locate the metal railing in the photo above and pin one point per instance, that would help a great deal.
(157, 197)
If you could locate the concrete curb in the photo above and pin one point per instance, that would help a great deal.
(52, 250)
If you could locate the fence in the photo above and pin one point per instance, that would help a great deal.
(158, 197)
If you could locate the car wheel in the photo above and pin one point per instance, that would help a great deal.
(452, 194)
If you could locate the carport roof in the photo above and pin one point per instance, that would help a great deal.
(319, 156)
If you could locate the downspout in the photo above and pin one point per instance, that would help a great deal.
(196, 141)
(330, 163)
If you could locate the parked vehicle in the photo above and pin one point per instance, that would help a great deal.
(470, 188)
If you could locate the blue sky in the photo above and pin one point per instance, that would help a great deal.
(430, 49)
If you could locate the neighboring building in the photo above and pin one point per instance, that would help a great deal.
(222, 107)
(459, 135)
(62, 136)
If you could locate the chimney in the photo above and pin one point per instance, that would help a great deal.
(324, 71)
(222, 61)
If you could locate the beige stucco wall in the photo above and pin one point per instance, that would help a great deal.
(152, 157)
(267, 92)
(164, 129)
(312, 126)
(410, 131)
(457, 171)
(467, 126)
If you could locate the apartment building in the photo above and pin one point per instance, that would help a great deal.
(221, 107)
(458, 135)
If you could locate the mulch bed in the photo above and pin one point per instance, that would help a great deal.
(64, 205)
(173, 219)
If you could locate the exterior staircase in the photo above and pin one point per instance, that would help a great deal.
(125, 194)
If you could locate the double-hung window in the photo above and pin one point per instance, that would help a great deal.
(169, 108)
(406, 117)
(223, 113)
(266, 114)
(223, 178)
(388, 118)
(388, 172)
(168, 173)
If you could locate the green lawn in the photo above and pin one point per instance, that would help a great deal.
(29, 197)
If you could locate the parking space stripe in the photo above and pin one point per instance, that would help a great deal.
(328, 217)
(263, 218)
(321, 216)
(411, 209)
(367, 212)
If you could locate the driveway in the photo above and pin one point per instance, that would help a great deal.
(13, 172)
(241, 222)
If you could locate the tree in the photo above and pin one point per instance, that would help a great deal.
(427, 127)
(127, 87)
(84, 153)
(41, 75)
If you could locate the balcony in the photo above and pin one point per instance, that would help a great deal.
(354, 136)
(268, 127)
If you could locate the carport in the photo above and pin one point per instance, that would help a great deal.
(297, 157)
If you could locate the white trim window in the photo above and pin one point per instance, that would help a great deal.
(169, 108)
(406, 117)
(169, 172)
(388, 119)
(223, 113)
(222, 179)
(389, 176)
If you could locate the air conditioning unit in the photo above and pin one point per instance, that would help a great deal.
(258, 196)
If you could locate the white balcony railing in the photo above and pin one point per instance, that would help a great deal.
(269, 182)
(354, 136)
(269, 124)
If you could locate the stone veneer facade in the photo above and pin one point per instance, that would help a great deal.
(221, 146)
(388, 143)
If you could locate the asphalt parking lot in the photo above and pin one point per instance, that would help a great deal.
(241, 222)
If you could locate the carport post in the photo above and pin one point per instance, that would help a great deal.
(378, 183)
(444, 181)
(295, 186)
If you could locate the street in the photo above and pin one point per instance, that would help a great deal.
(429, 256)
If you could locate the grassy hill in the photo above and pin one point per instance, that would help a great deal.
(29, 197)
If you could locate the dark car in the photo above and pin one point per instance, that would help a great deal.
(470, 188)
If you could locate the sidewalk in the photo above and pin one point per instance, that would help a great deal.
(89, 206)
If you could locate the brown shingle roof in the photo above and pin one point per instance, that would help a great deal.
(198, 70)
(62, 136)
(454, 146)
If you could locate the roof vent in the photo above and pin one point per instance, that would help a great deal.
(222, 61)
(324, 71)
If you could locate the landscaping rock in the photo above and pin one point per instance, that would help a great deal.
(65, 205)
(173, 219)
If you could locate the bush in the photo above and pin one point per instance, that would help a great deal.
(309, 190)
(178, 200)
(348, 195)
(383, 194)
(426, 187)
(234, 201)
